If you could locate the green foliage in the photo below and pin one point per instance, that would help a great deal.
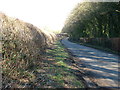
(94, 19)
(60, 70)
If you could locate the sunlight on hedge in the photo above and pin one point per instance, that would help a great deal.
(23, 44)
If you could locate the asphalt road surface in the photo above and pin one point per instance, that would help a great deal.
(103, 67)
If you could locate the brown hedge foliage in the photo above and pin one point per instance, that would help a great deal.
(23, 44)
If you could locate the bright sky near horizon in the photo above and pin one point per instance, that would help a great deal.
(46, 14)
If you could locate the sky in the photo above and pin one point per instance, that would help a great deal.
(46, 14)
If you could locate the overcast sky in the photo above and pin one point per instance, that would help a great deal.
(46, 14)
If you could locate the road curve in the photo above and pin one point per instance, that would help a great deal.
(103, 67)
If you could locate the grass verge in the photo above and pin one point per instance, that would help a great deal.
(55, 71)
(101, 48)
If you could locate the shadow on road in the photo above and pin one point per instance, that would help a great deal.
(101, 66)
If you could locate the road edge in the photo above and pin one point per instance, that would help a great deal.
(89, 83)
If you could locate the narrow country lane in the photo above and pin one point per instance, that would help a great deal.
(103, 67)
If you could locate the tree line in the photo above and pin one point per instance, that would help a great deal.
(94, 20)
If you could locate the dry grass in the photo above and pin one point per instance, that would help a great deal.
(56, 70)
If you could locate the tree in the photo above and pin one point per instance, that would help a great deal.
(94, 19)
